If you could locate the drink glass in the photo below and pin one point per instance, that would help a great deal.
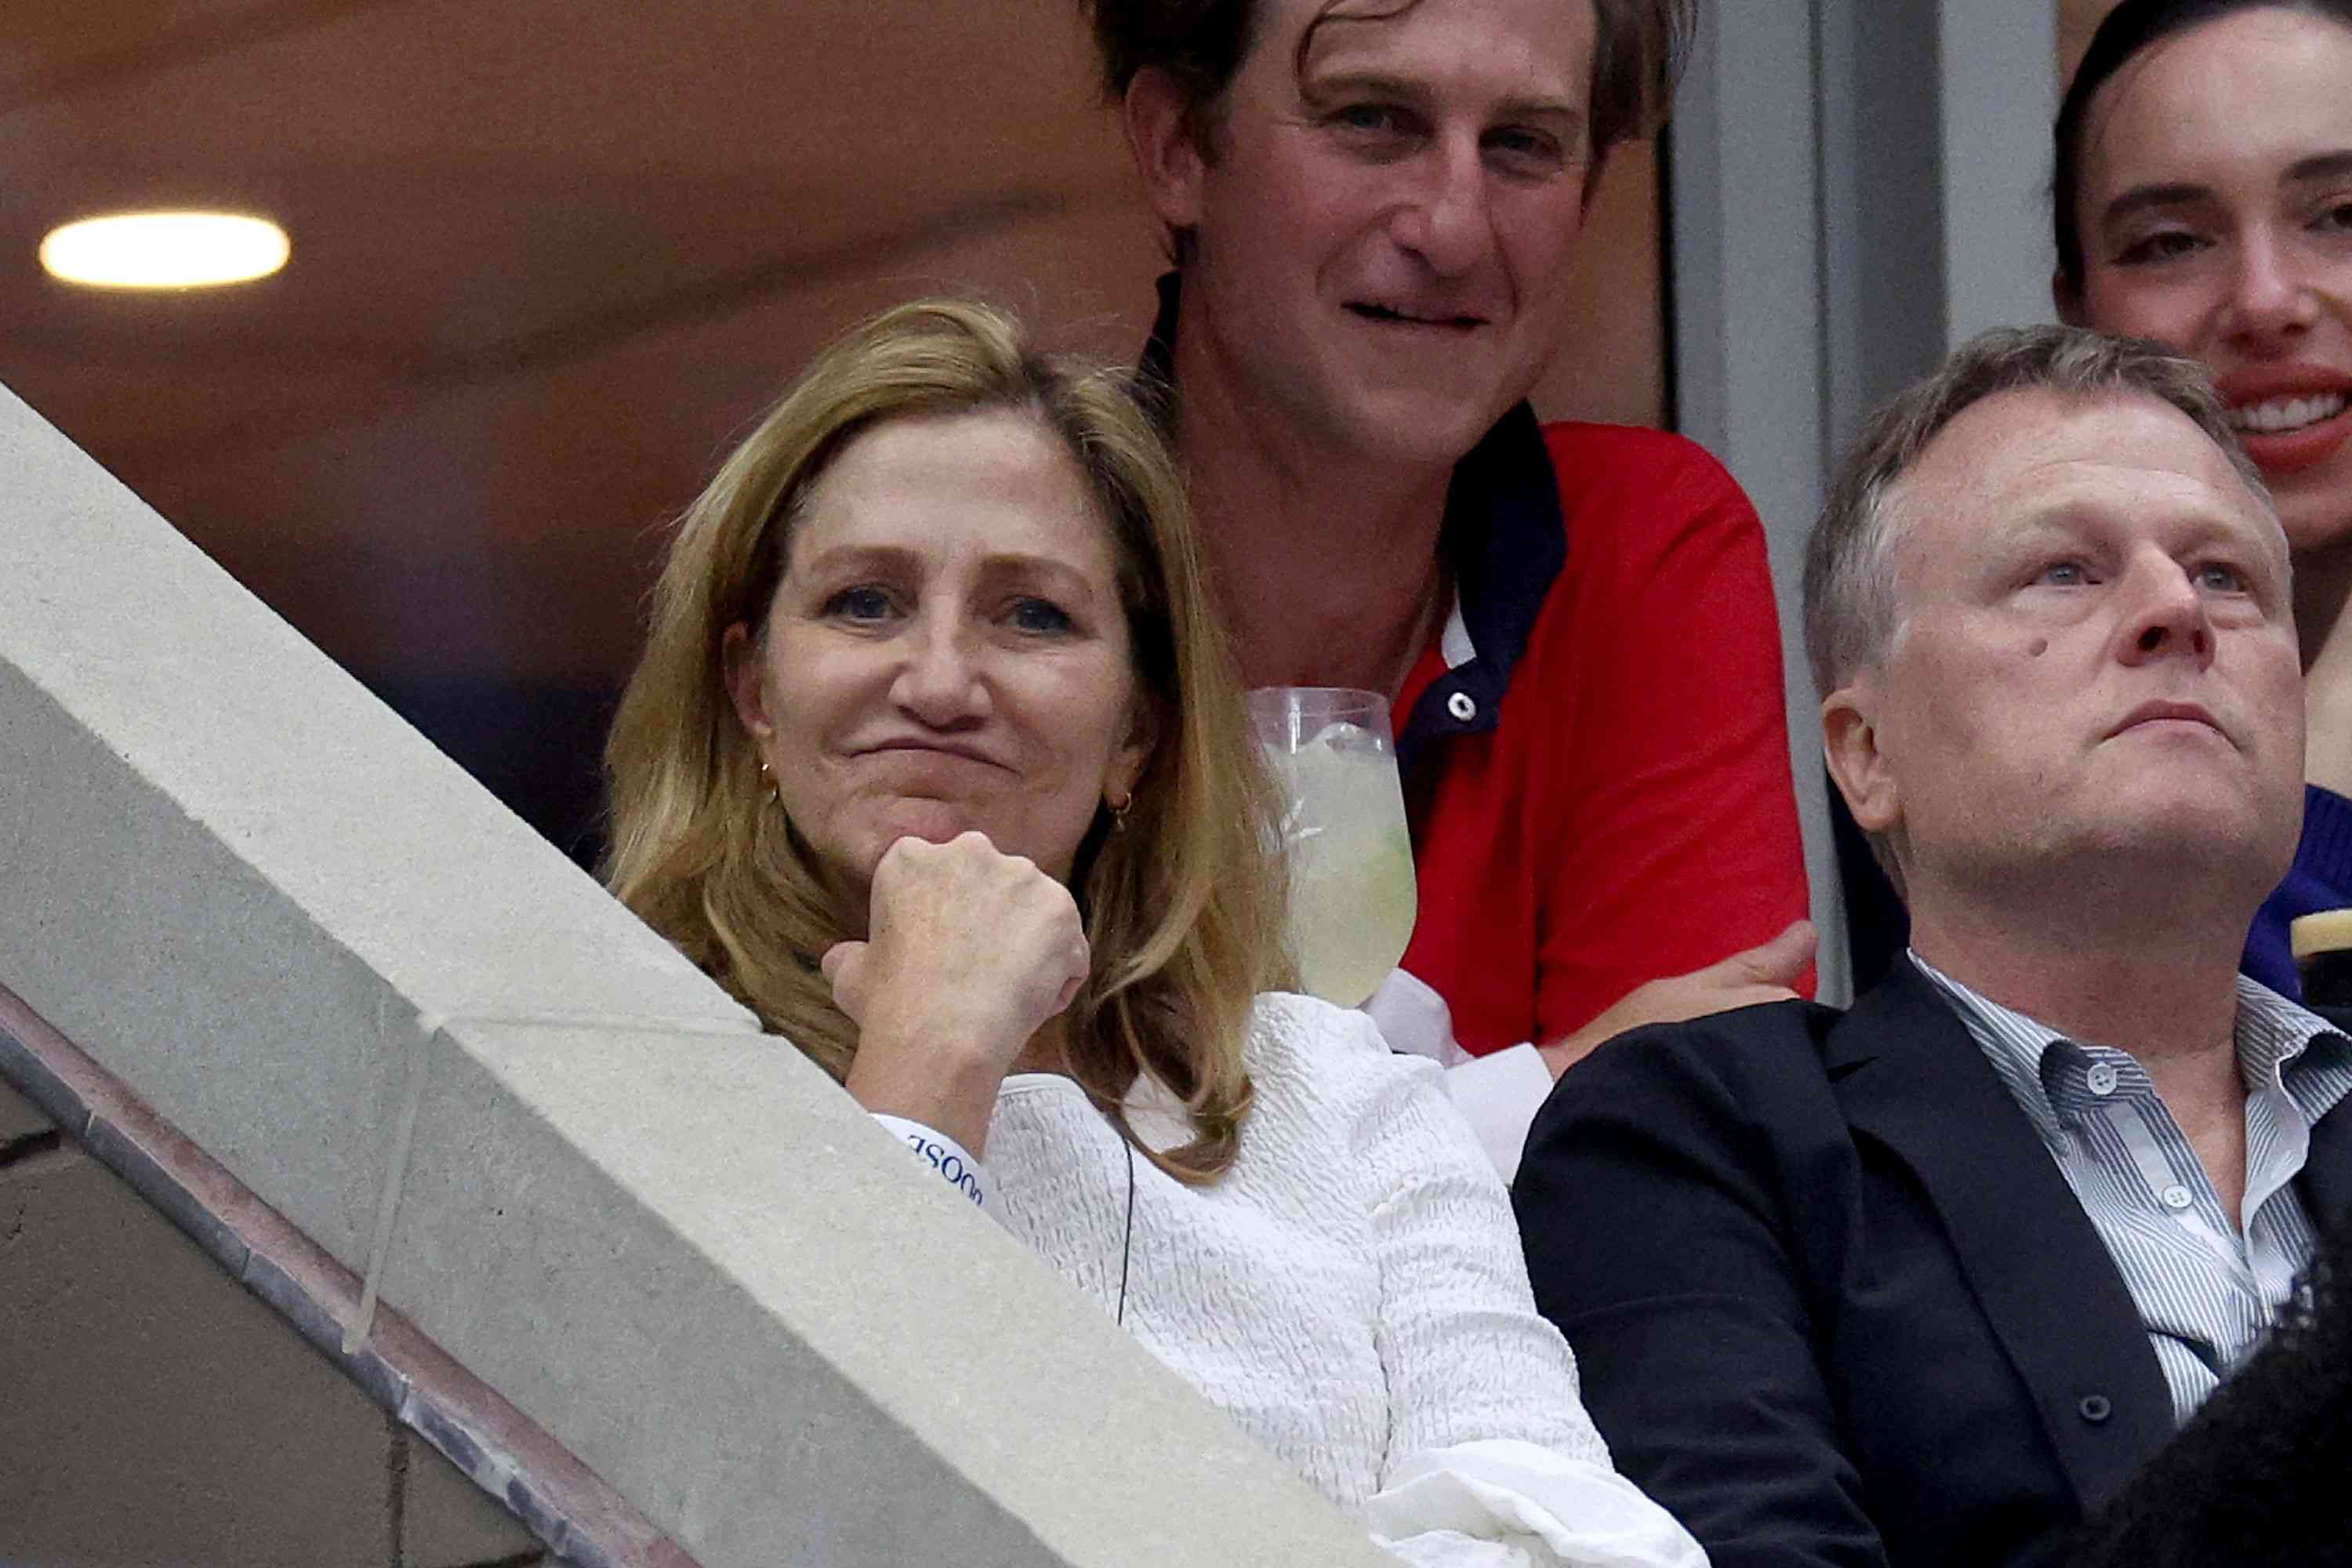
(1352, 898)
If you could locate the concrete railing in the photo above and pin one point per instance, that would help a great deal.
(307, 942)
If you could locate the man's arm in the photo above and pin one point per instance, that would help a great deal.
(1665, 1217)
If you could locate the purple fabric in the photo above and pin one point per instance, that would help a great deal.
(2320, 879)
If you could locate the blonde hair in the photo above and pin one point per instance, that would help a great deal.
(1182, 905)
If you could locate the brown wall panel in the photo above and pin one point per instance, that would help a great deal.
(151, 1412)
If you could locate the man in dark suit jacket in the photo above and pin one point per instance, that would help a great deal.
(1923, 1282)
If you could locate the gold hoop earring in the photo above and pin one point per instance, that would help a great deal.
(1118, 809)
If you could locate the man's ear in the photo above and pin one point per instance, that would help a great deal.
(2067, 301)
(1850, 744)
(1157, 114)
(739, 658)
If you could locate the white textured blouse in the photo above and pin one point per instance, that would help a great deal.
(1350, 1292)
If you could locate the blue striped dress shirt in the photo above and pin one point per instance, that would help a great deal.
(2207, 1283)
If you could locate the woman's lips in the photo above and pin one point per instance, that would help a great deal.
(916, 754)
(2275, 393)
(2289, 451)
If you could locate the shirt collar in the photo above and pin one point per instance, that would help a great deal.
(1504, 540)
(2016, 1045)
(2288, 1047)
(2279, 1045)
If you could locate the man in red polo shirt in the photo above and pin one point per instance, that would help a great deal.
(1373, 207)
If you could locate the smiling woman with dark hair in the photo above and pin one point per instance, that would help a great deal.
(937, 761)
(2203, 198)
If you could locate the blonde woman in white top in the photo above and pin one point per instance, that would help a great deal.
(935, 759)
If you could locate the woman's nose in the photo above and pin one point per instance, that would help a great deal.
(940, 678)
(2270, 294)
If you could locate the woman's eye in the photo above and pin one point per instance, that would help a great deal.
(1040, 616)
(2335, 217)
(2150, 250)
(2065, 574)
(2221, 578)
(860, 604)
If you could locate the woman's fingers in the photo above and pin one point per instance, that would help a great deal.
(1079, 959)
(844, 967)
(965, 944)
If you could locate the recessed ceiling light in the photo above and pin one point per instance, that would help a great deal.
(164, 250)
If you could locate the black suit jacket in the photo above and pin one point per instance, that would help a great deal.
(1831, 1299)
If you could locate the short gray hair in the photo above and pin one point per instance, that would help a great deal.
(1851, 608)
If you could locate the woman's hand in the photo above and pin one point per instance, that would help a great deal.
(968, 952)
(1758, 974)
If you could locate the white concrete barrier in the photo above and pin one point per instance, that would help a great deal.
(322, 952)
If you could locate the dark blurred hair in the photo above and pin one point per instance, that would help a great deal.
(2131, 27)
(1639, 46)
(2258, 1477)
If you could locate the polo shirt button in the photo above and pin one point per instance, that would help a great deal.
(2094, 1408)
(2177, 1196)
(1462, 706)
(2102, 1078)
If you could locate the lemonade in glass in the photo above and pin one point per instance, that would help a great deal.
(1352, 898)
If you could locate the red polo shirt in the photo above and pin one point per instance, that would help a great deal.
(1596, 757)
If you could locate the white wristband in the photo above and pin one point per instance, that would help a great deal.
(942, 1153)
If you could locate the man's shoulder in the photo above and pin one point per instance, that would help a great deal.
(1759, 1063)
(1602, 458)
(1634, 500)
(1740, 1108)
(1773, 1032)
(1312, 1060)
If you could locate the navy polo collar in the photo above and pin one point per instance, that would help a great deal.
(1504, 540)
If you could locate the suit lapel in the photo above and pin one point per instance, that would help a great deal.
(1911, 1077)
